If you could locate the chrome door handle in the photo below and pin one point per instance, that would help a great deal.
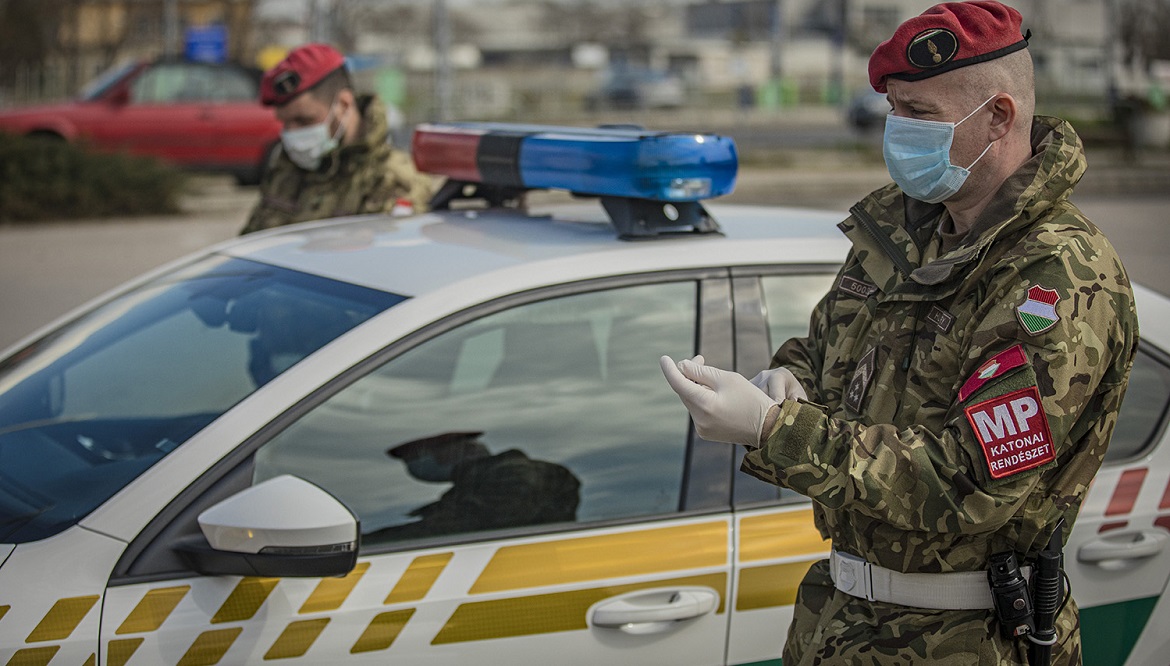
(1115, 549)
(651, 611)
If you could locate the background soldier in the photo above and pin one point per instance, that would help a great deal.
(335, 157)
(960, 383)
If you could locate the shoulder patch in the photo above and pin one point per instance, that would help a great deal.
(1013, 432)
(1038, 314)
(998, 366)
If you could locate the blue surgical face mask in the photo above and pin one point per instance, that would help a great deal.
(918, 156)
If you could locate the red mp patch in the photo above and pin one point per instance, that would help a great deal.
(1013, 431)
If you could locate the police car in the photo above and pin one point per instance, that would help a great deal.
(445, 437)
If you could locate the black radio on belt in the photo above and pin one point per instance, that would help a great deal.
(1009, 590)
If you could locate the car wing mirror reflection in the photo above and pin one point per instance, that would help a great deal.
(284, 527)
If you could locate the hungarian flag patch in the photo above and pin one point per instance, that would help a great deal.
(1013, 431)
(1038, 313)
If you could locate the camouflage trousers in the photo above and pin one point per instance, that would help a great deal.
(831, 627)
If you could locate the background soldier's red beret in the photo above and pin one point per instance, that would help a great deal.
(300, 70)
(944, 38)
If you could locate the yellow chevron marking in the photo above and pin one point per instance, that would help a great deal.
(247, 598)
(775, 535)
(607, 556)
(34, 656)
(332, 592)
(383, 629)
(296, 639)
(62, 619)
(92, 661)
(121, 650)
(210, 647)
(547, 613)
(4, 611)
(769, 586)
(418, 579)
(154, 608)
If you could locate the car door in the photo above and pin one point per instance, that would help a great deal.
(568, 519)
(776, 541)
(166, 115)
(1118, 555)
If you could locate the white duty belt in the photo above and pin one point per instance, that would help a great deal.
(964, 590)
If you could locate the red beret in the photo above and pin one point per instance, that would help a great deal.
(944, 38)
(301, 69)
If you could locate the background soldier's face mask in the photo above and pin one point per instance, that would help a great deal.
(306, 146)
(918, 156)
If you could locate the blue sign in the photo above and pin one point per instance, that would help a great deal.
(206, 43)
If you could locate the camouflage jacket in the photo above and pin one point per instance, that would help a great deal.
(960, 399)
(367, 176)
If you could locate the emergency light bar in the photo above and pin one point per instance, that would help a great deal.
(650, 182)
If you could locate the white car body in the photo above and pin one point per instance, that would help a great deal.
(689, 586)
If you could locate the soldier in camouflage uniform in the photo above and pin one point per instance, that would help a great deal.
(335, 156)
(959, 385)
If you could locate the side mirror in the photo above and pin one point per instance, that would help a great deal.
(284, 527)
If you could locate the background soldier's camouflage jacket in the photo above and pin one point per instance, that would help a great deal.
(367, 176)
(884, 447)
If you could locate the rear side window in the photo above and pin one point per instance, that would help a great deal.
(1144, 408)
(549, 412)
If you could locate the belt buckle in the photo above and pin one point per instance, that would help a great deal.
(854, 576)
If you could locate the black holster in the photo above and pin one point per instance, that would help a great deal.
(1028, 609)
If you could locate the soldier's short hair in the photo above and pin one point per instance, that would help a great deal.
(328, 88)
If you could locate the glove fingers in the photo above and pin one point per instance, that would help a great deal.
(684, 387)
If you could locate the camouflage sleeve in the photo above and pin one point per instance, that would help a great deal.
(409, 182)
(270, 210)
(951, 480)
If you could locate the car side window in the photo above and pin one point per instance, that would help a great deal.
(549, 412)
(233, 86)
(173, 84)
(789, 301)
(1143, 410)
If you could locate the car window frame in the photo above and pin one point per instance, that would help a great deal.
(1158, 432)
(151, 548)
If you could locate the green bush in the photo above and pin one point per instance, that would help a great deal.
(45, 178)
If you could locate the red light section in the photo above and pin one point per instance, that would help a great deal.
(447, 152)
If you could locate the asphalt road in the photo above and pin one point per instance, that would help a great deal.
(48, 269)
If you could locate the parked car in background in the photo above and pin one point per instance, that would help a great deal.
(638, 88)
(867, 110)
(192, 114)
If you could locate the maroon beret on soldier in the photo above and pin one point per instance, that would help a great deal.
(945, 38)
(301, 69)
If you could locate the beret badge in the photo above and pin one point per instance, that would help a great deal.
(286, 83)
(932, 48)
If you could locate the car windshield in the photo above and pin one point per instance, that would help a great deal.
(87, 408)
(98, 87)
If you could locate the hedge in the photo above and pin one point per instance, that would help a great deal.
(45, 178)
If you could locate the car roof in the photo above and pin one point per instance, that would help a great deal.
(420, 254)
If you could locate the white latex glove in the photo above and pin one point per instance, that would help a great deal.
(779, 383)
(725, 406)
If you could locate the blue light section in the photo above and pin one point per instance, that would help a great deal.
(631, 163)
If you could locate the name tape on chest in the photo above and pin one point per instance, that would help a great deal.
(1013, 431)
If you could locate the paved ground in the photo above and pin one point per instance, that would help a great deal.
(48, 269)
